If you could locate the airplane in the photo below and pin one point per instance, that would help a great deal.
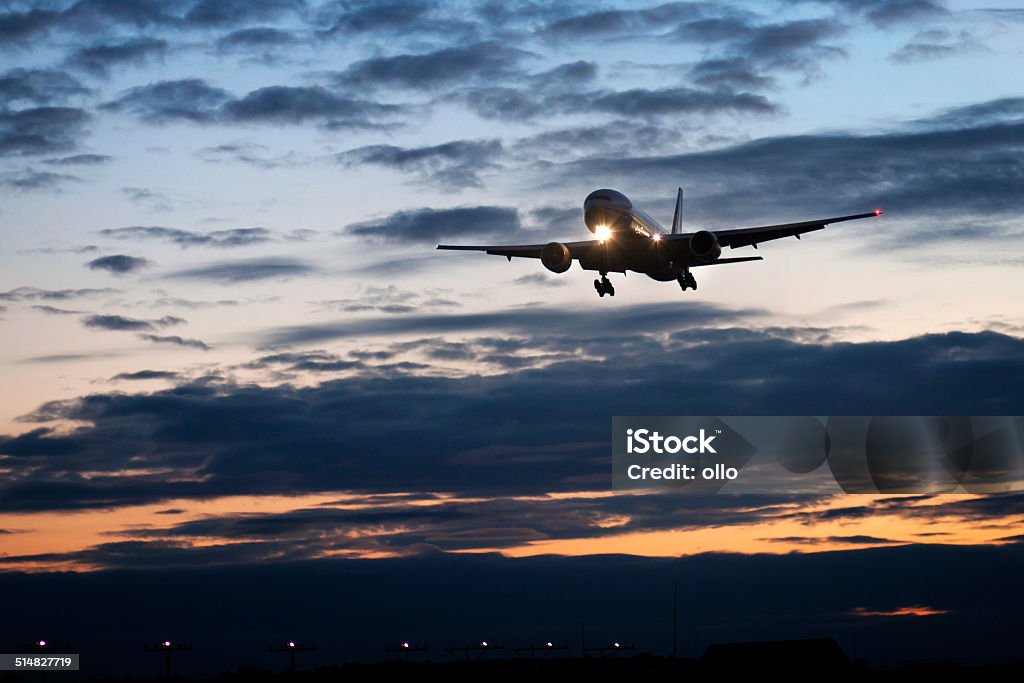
(629, 239)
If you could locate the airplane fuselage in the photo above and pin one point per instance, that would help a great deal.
(612, 217)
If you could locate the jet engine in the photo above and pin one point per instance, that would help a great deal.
(704, 245)
(556, 257)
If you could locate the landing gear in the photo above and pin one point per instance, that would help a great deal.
(686, 281)
(604, 286)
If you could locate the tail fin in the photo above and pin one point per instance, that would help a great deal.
(677, 217)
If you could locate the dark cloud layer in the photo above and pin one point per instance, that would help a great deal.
(398, 435)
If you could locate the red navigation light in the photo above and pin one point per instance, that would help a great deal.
(878, 212)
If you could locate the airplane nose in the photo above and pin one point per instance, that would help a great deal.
(598, 215)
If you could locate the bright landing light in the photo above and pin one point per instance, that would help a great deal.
(656, 237)
(602, 232)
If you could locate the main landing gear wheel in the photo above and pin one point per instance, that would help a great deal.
(604, 286)
(687, 281)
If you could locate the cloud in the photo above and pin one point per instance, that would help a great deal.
(739, 36)
(53, 310)
(856, 539)
(612, 22)
(149, 198)
(304, 362)
(232, 237)
(730, 72)
(195, 101)
(41, 130)
(29, 181)
(227, 272)
(1005, 110)
(228, 12)
(430, 225)
(935, 44)
(190, 99)
(121, 323)
(389, 299)
(884, 13)
(80, 160)
(298, 104)
(36, 294)
(16, 27)
(249, 153)
(537, 320)
(38, 86)
(119, 264)
(452, 165)
(792, 44)
(176, 341)
(146, 375)
(100, 58)
(627, 363)
(480, 62)
(383, 17)
(526, 104)
(641, 102)
(256, 39)
(540, 280)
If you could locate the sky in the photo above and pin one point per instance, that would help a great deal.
(227, 340)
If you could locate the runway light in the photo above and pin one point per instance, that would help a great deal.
(602, 232)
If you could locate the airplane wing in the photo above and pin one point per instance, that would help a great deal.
(742, 237)
(577, 249)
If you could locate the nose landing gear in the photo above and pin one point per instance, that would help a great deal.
(686, 281)
(604, 286)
